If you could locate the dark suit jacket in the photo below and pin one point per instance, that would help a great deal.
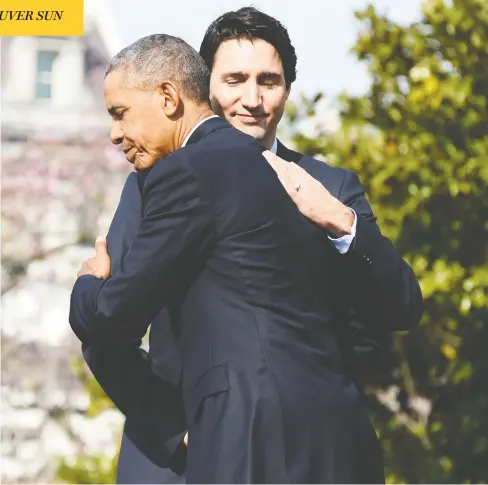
(361, 345)
(250, 283)
(130, 394)
(365, 328)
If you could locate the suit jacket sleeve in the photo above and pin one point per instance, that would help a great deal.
(175, 232)
(124, 371)
(153, 407)
(380, 285)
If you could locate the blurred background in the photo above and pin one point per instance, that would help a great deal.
(396, 91)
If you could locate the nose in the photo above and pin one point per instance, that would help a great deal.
(251, 96)
(116, 135)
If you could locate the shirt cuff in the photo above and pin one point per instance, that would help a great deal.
(342, 244)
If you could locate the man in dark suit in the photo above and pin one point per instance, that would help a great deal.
(244, 277)
(360, 340)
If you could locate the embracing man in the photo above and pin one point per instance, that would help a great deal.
(250, 83)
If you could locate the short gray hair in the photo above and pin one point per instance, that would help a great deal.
(156, 58)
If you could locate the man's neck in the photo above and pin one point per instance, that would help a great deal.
(269, 139)
(192, 118)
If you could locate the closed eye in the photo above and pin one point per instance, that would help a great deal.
(234, 78)
(270, 79)
(116, 112)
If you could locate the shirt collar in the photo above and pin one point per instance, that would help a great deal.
(274, 146)
(185, 141)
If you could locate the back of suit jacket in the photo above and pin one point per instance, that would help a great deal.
(360, 342)
(251, 285)
(263, 376)
(163, 350)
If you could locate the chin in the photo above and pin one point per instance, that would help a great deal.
(255, 131)
(141, 164)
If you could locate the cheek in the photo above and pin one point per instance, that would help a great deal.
(275, 103)
(127, 126)
(224, 99)
(136, 134)
(155, 134)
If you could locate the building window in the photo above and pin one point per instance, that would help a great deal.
(45, 61)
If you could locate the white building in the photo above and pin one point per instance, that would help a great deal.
(53, 86)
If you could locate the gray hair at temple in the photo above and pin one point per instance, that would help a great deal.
(156, 58)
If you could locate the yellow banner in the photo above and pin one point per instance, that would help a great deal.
(41, 17)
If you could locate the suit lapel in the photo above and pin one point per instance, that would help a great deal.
(287, 154)
(318, 170)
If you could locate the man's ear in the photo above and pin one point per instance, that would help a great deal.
(171, 99)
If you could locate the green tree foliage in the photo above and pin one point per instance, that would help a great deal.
(87, 469)
(419, 141)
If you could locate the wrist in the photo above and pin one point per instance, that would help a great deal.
(340, 222)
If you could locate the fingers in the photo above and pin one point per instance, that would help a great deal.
(101, 246)
(280, 166)
(88, 267)
(102, 258)
(275, 161)
(284, 168)
(289, 174)
(98, 266)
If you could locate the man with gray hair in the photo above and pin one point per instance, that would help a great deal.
(243, 277)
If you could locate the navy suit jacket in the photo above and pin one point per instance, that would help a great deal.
(236, 250)
(127, 374)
